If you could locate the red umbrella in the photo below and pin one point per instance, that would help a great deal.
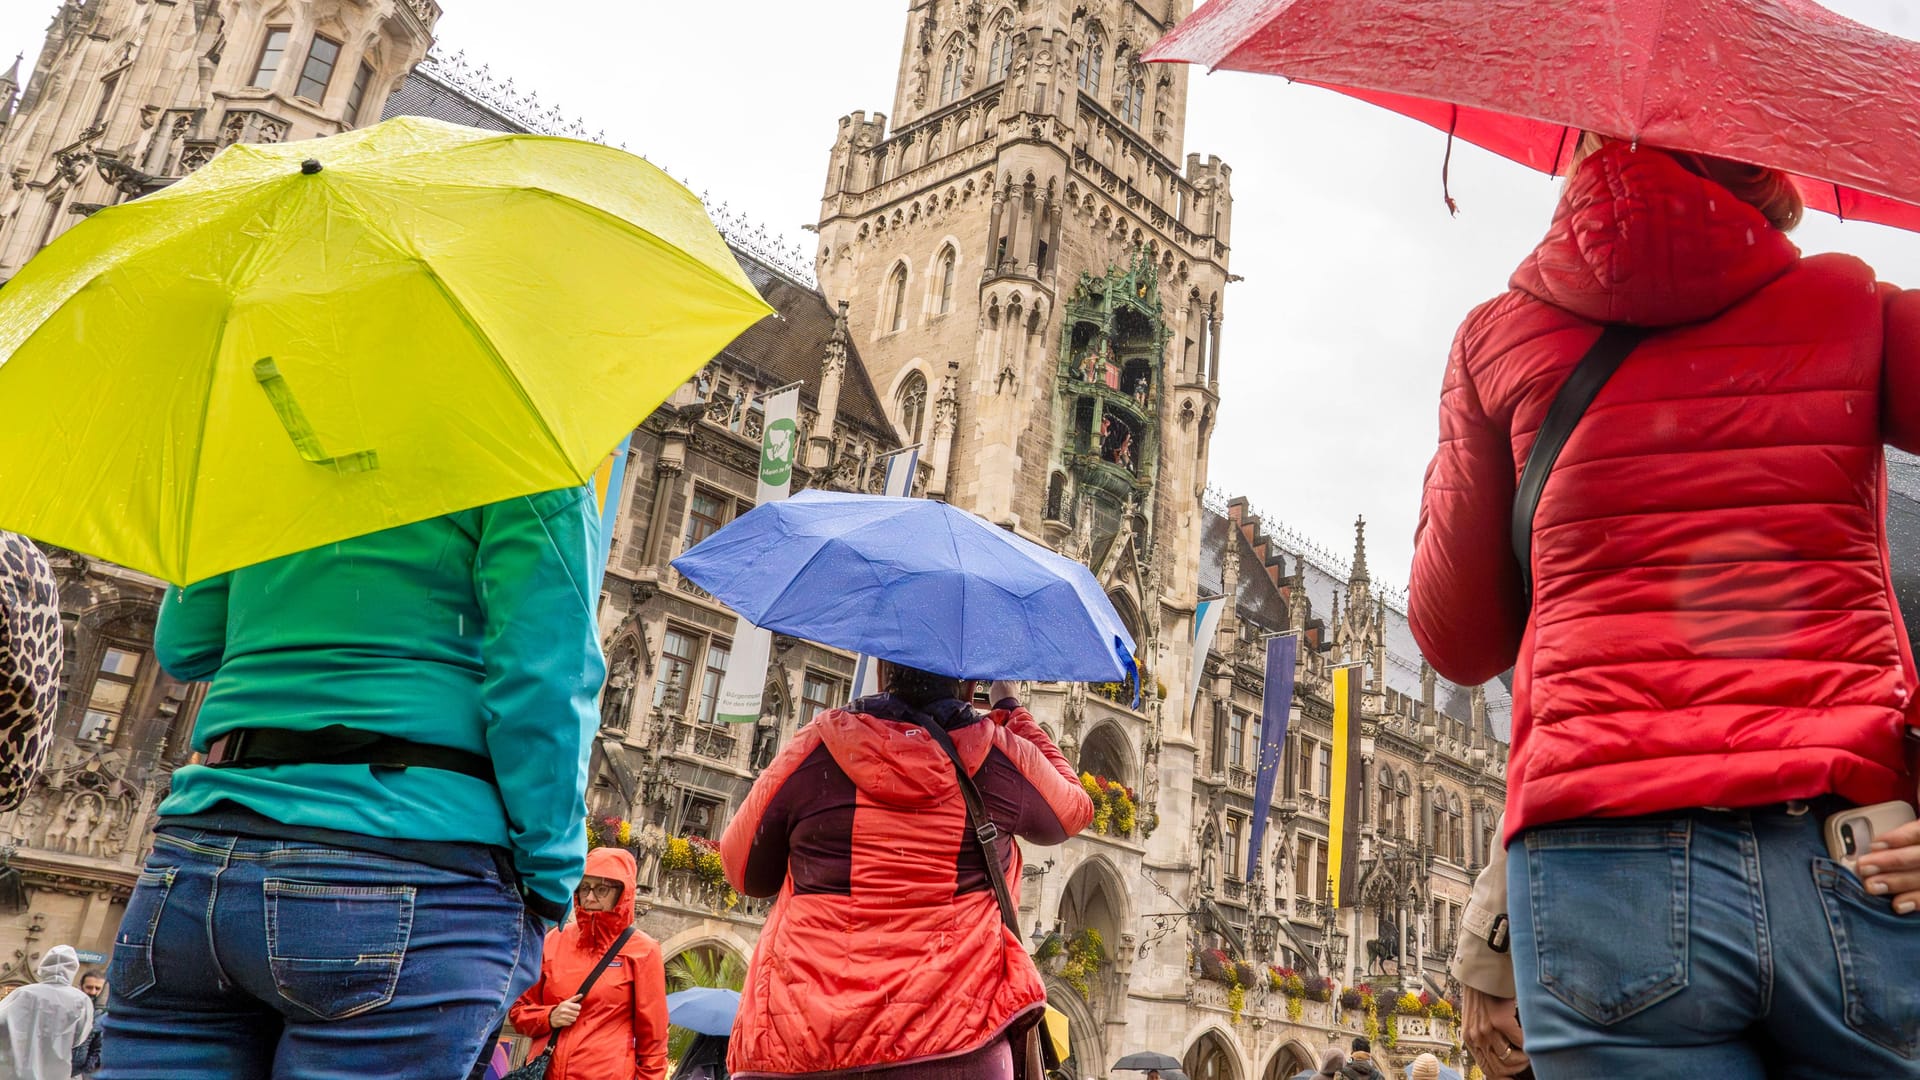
(1781, 83)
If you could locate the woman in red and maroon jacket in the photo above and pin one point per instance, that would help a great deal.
(1711, 661)
(886, 950)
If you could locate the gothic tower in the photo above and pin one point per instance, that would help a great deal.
(1034, 275)
(1033, 269)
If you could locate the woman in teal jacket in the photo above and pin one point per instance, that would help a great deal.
(396, 738)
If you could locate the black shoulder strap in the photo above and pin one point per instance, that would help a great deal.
(593, 976)
(613, 950)
(978, 823)
(1569, 405)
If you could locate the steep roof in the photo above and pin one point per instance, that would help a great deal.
(789, 346)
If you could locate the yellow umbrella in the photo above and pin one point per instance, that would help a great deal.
(309, 341)
(1056, 1022)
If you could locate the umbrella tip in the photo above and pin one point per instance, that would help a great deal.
(310, 166)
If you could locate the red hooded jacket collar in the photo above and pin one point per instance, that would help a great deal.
(598, 928)
(1638, 239)
(892, 758)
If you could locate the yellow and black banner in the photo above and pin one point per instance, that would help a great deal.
(1343, 818)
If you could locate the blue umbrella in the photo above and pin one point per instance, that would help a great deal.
(704, 1009)
(916, 582)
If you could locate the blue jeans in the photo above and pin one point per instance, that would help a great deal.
(244, 959)
(1707, 943)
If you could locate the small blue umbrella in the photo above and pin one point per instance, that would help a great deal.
(916, 582)
(706, 1010)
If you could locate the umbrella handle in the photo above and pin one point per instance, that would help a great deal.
(294, 420)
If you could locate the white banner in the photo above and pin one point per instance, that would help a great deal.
(1206, 620)
(901, 468)
(746, 679)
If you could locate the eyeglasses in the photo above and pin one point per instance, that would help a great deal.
(587, 889)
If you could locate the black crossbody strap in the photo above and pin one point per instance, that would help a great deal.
(978, 824)
(593, 976)
(613, 950)
(1569, 405)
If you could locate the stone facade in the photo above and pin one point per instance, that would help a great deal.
(128, 96)
(1023, 276)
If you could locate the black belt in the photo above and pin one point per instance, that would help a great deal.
(339, 745)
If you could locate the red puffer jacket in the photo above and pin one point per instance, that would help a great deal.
(886, 946)
(1713, 622)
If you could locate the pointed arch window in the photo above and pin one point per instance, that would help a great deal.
(952, 76)
(1000, 59)
(1089, 68)
(897, 300)
(948, 259)
(1133, 102)
(911, 406)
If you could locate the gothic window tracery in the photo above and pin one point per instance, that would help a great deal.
(911, 404)
(1000, 59)
(1133, 102)
(1089, 66)
(952, 75)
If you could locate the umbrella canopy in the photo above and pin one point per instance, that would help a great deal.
(916, 582)
(707, 1010)
(1058, 1033)
(1146, 1060)
(1781, 83)
(309, 341)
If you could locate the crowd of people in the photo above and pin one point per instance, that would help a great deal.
(385, 833)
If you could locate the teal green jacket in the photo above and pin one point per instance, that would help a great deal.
(476, 630)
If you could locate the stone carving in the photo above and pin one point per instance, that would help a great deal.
(26, 822)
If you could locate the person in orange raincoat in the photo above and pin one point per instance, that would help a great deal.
(620, 1031)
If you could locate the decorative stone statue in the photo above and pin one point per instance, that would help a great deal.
(26, 821)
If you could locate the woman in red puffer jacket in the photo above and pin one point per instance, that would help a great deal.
(1712, 661)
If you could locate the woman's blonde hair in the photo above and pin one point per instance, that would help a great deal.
(1769, 191)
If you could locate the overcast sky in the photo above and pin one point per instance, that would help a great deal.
(1355, 274)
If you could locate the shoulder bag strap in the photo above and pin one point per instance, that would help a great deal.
(613, 950)
(978, 823)
(1569, 405)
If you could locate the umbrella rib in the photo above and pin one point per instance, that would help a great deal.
(200, 439)
(486, 345)
(474, 331)
(680, 253)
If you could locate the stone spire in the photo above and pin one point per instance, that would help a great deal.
(1360, 550)
(833, 368)
(9, 89)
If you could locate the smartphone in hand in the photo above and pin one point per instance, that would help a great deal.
(1850, 832)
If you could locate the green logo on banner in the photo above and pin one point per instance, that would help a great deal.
(776, 452)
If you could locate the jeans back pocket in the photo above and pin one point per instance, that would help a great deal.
(131, 970)
(1610, 910)
(1878, 952)
(336, 950)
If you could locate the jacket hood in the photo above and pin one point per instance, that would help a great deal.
(60, 965)
(891, 759)
(615, 864)
(1639, 239)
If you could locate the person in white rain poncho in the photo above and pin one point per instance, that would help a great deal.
(41, 1024)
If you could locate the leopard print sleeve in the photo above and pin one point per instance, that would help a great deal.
(29, 664)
